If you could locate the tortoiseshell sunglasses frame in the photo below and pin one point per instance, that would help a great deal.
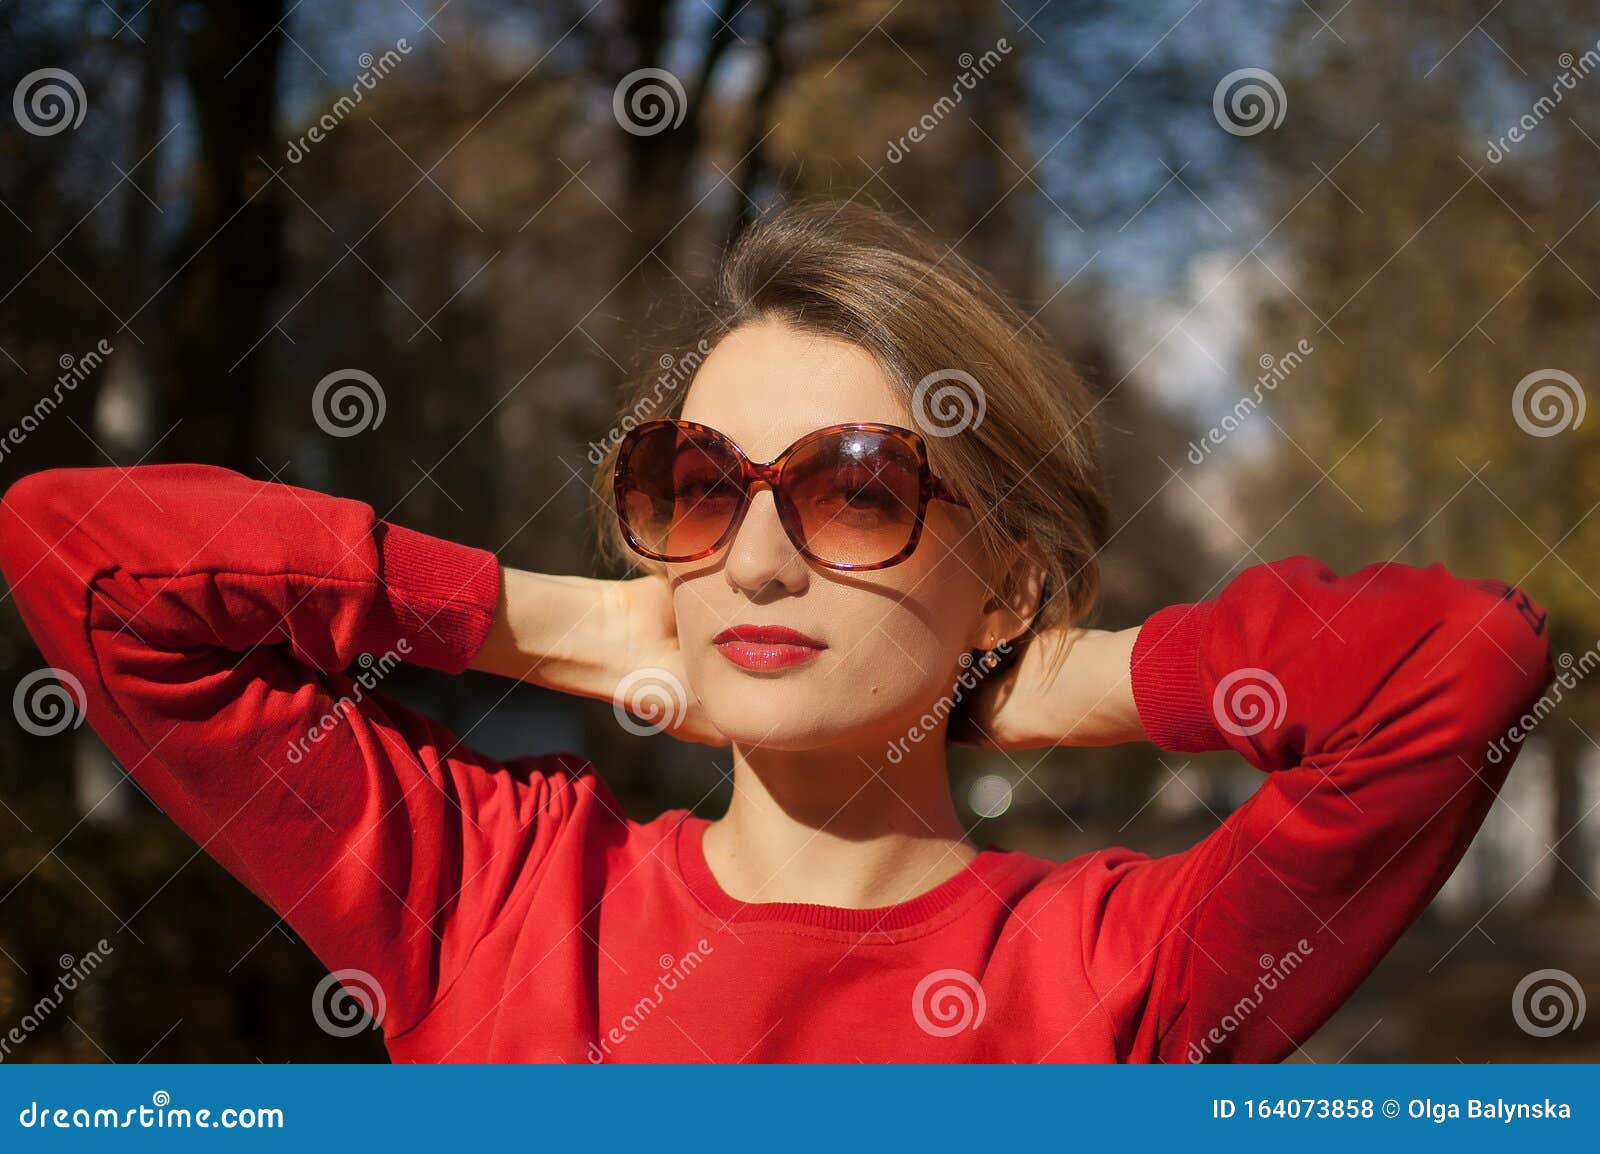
(756, 476)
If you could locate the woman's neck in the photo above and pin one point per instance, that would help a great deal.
(838, 827)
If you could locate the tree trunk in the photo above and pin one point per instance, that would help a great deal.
(222, 297)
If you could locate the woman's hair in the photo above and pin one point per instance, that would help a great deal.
(1012, 419)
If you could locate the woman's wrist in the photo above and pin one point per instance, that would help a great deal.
(1081, 697)
(555, 631)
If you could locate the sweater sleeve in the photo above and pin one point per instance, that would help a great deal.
(1381, 707)
(205, 621)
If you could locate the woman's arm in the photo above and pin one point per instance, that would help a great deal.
(209, 619)
(583, 636)
(1067, 687)
(1379, 706)
(559, 632)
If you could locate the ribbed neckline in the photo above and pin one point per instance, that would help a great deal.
(882, 919)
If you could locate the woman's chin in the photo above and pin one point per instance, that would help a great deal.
(783, 722)
(780, 734)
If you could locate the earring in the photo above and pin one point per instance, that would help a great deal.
(990, 657)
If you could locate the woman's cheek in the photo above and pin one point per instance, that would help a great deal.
(892, 678)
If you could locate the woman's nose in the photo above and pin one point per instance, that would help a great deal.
(761, 558)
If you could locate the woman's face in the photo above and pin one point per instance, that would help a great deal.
(891, 639)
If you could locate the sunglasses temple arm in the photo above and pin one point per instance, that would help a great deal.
(941, 492)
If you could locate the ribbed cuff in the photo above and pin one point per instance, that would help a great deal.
(1167, 686)
(436, 596)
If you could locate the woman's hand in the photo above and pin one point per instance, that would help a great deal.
(1064, 687)
(610, 640)
(654, 663)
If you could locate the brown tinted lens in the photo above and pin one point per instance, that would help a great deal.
(854, 495)
(680, 490)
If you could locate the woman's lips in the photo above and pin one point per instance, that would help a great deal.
(763, 647)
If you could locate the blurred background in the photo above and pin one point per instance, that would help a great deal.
(1332, 267)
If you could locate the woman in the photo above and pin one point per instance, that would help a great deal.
(821, 615)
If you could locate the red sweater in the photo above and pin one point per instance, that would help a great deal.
(509, 912)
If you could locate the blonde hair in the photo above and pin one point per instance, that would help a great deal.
(1026, 457)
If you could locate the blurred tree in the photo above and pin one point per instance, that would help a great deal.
(483, 235)
(1431, 280)
(232, 246)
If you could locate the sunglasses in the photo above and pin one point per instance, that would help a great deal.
(850, 497)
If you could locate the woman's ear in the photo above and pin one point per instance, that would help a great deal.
(1010, 610)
